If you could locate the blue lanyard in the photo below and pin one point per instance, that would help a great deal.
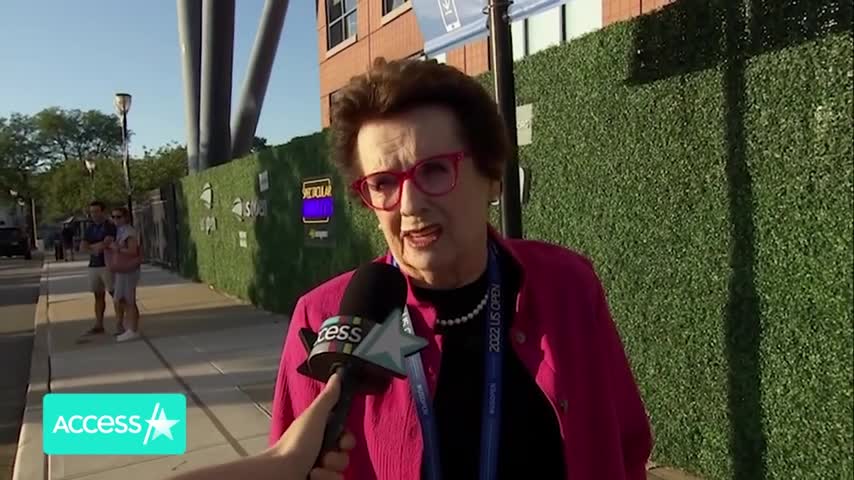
(491, 409)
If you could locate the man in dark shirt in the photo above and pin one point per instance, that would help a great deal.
(100, 279)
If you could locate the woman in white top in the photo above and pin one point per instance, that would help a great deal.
(124, 283)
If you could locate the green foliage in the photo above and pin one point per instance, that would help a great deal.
(44, 155)
(707, 171)
(158, 168)
(703, 161)
(275, 268)
(20, 152)
(78, 135)
(258, 144)
(67, 187)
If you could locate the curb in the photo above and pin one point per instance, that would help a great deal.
(30, 460)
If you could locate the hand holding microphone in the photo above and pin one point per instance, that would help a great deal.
(294, 456)
(301, 442)
(365, 344)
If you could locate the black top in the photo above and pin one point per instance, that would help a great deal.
(96, 233)
(531, 444)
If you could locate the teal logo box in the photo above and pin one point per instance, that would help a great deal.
(114, 424)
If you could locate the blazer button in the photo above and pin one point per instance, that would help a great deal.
(519, 336)
(564, 405)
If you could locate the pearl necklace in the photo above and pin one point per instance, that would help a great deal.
(465, 318)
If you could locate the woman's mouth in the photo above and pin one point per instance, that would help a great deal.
(423, 237)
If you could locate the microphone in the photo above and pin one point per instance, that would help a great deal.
(365, 343)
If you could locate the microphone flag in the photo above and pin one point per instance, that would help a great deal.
(376, 349)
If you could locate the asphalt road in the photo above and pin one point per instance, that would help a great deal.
(19, 293)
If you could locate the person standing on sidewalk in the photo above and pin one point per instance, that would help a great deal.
(68, 242)
(100, 279)
(126, 247)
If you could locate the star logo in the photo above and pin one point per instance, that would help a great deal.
(388, 344)
(160, 424)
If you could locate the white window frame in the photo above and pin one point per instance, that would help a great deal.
(343, 19)
(385, 7)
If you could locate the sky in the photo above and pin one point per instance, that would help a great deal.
(78, 54)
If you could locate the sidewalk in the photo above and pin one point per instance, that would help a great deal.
(222, 354)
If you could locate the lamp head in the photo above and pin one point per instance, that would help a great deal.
(122, 103)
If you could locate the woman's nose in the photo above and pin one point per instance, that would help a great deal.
(411, 199)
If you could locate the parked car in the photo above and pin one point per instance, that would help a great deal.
(14, 242)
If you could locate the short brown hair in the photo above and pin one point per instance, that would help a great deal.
(393, 87)
(124, 211)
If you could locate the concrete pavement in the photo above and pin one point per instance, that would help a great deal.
(220, 353)
(19, 292)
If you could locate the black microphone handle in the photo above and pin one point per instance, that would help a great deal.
(338, 416)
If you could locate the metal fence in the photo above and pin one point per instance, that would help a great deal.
(156, 219)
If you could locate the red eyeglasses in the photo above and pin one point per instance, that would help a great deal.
(433, 176)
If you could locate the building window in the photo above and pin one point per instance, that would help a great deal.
(555, 26)
(581, 17)
(545, 30)
(340, 21)
(441, 57)
(390, 5)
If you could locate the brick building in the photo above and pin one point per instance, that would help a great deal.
(351, 33)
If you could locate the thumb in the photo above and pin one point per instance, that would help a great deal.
(321, 407)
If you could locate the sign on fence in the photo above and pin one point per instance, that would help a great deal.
(318, 205)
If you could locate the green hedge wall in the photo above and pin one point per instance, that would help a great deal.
(275, 268)
(703, 161)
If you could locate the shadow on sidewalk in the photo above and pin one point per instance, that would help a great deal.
(168, 324)
(193, 341)
(72, 278)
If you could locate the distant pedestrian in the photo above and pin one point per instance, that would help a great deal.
(125, 259)
(68, 242)
(100, 231)
(55, 240)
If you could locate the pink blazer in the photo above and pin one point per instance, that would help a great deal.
(562, 332)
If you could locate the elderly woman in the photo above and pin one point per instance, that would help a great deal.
(425, 149)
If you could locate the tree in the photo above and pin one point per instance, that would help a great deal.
(158, 168)
(67, 188)
(258, 144)
(78, 135)
(44, 155)
(21, 152)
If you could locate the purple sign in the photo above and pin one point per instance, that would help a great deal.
(317, 209)
(317, 200)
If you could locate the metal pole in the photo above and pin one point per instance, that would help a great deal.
(217, 58)
(257, 77)
(190, 37)
(35, 224)
(127, 165)
(505, 95)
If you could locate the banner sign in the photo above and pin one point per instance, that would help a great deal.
(318, 207)
(447, 24)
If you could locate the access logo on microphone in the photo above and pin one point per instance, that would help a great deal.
(114, 424)
(346, 331)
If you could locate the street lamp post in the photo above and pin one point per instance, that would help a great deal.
(122, 102)
(90, 166)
